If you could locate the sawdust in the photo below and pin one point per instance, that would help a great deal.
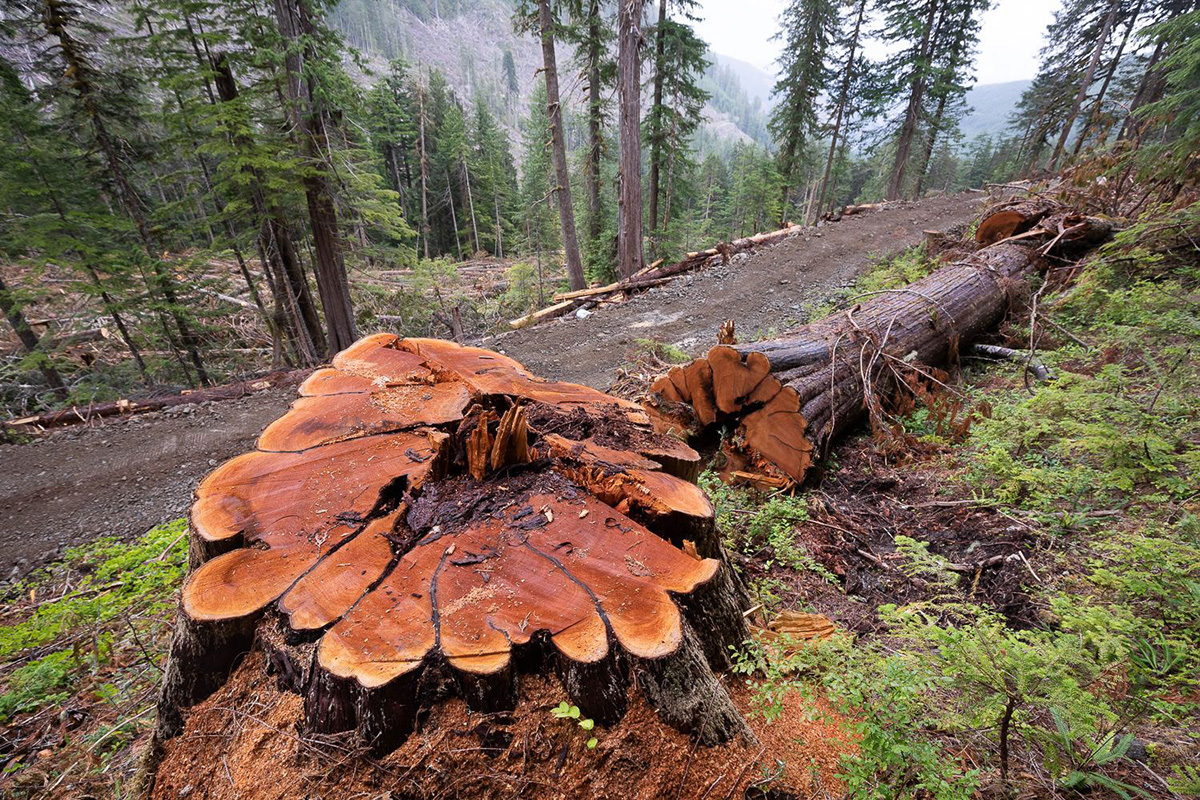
(241, 743)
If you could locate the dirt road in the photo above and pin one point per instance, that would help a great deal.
(128, 475)
(763, 293)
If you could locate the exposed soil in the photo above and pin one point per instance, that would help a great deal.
(764, 292)
(124, 476)
(121, 477)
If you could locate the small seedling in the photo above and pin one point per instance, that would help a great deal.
(565, 711)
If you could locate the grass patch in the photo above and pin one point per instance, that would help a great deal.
(82, 643)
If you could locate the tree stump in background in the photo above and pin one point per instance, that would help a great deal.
(430, 519)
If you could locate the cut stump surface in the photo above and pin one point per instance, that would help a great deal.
(430, 515)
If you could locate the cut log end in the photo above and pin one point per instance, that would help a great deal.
(429, 515)
(786, 399)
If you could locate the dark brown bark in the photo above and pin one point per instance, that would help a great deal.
(657, 134)
(558, 146)
(333, 286)
(293, 298)
(29, 340)
(791, 396)
(630, 256)
(595, 123)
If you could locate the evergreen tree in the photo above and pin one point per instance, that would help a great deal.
(809, 29)
(630, 255)
(548, 27)
(674, 115)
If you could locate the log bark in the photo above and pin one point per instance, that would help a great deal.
(430, 517)
(789, 397)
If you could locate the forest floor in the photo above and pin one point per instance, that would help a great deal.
(121, 478)
(1005, 550)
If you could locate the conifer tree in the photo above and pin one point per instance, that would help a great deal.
(630, 257)
(809, 29)
(547, 25)
(679, 61)
(852, 72)
(96, 107)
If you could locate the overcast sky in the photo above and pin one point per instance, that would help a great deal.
(1008, 46)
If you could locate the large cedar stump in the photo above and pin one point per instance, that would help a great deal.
(431, 519)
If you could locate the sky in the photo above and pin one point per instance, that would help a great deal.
(1010, 37)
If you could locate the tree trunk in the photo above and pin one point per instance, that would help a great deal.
(1094, 115)
(1130, 128)
(789, 397)
(562, 178)
(468, 525)
(629, 179)
(656, 129)
(295, 24)
(843, 100)
(293, 299)
(453, 215)
(424, 170)
(595, 124)
(912, 113)
(29, 340)
(466, 175)
(1085, 84)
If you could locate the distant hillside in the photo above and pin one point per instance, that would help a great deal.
(990, 105)
(734, 112)
(757, 83)
(466, 40)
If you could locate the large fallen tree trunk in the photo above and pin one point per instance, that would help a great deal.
(789, 397)
(430, 517)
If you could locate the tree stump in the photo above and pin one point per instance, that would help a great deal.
(431, 518)
(787, 398)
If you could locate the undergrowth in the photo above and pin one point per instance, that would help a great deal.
(1100, 467)
(81, 650)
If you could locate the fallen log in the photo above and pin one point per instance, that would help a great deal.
(656, 275)
(76, 415)
(789, 397)
(432, 518)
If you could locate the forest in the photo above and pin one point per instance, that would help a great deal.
(194, 192)
(502, 398)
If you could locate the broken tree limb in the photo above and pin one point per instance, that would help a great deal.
(1032, 363)
(658, 275)
(431, 517)
(788, 397)
(115, 408)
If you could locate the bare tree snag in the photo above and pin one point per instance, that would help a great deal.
(789, 397)
(429, 515)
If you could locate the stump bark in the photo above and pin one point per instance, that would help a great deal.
(787, 398)
(431, 518)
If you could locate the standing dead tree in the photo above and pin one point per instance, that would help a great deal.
(430, 516)
(788, 397)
